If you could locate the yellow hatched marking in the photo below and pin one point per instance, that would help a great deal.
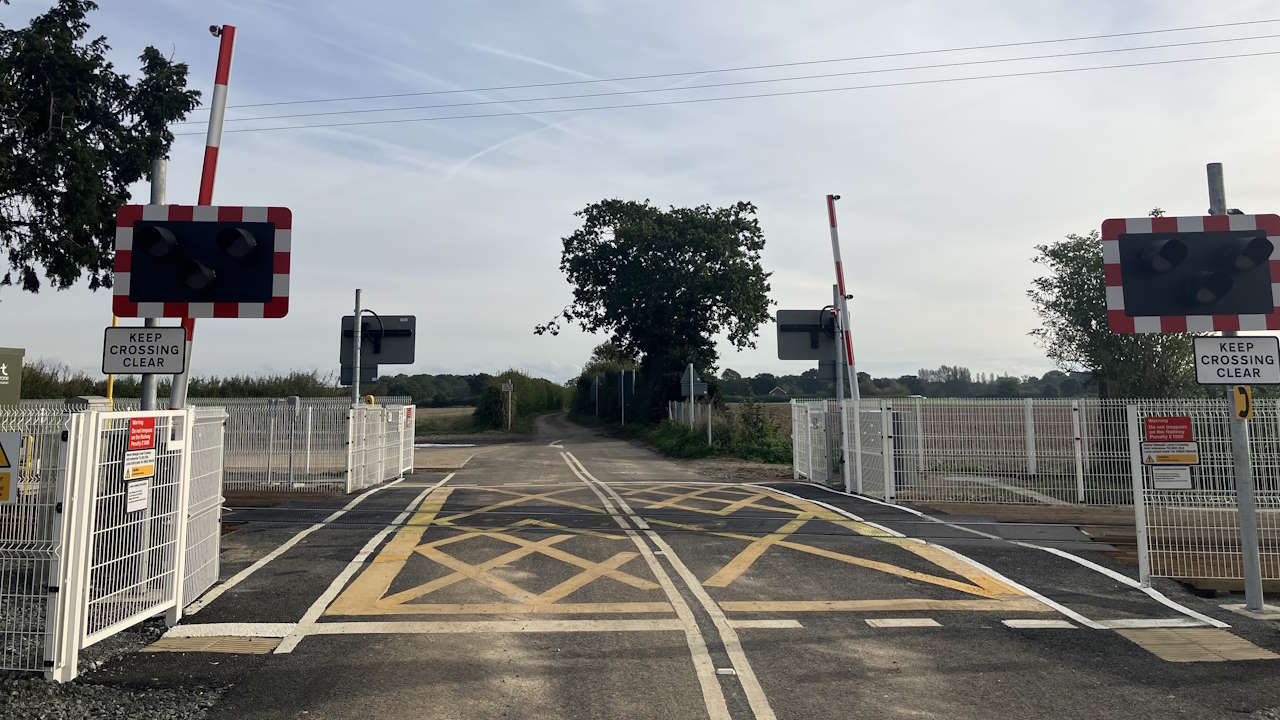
(368, 593)
(374, 582)
(751, 553)
(842, 557)
(521, 498)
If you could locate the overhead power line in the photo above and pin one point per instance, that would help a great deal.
(691, 101)
(737, 83)
(685, 73)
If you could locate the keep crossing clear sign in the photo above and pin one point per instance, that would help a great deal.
(144, 351)
(1252, 360)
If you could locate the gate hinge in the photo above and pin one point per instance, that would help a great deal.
(58, 507)
(48, 663)
(64, 436)
(53, 589)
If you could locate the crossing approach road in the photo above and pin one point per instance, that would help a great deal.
(577, 576)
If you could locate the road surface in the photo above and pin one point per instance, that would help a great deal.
(576, 576)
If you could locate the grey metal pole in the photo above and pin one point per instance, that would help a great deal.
(159, 169)
(708, 418)
(355, 354)
(1246, 506)
(622, 395)
(844, 407)
(690, 396)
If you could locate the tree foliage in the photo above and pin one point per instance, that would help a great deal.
(664, 284)
(1071, 300)
(74, 134)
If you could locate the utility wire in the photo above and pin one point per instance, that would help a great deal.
(742, 82)
(686, 73)
(788, 93)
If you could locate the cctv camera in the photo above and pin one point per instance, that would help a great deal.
(215, 30)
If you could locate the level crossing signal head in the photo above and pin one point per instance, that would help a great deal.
(1191, 274)
(202, 261)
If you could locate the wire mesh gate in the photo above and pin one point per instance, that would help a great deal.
(108, 524)
(1192, 530)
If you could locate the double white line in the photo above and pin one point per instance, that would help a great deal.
(708, 679)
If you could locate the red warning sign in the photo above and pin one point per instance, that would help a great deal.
(1168, 428)
(142, 433)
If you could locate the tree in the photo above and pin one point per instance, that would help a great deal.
(1072, 303)
(664, 284)
(74, 134)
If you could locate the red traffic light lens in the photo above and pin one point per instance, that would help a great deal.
(237, 242)
(1254, 253)
(197, 275)
(1161, 256)
(155, 241)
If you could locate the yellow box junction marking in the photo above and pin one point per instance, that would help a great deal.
(368, 593)
(994, 594)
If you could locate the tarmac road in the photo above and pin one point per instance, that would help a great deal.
(575, 576)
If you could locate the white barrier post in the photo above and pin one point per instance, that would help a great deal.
(1076, 442)
(1029, 427)
(1139, 499)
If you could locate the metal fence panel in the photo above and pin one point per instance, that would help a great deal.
(31, 538)
(204, 503)
(1195, 532)
(134, 566)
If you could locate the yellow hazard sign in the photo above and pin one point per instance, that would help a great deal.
(9, 454)
(1170, 453)
(1243, 395)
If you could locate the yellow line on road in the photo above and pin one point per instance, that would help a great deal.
(374, 582)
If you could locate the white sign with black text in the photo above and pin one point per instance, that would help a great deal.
(1171, 477)
(1251, 360)
(137, 495)
(144, 351)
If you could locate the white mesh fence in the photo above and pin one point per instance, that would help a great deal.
(1194, 532)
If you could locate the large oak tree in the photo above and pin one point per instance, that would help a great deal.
(664, 284)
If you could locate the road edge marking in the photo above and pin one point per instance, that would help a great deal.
(756, 697)
(712, 694)
(216, 591)
(322, 601)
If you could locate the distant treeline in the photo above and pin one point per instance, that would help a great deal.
(44, 380)
(946, 381)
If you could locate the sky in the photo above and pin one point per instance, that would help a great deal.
(947, 187)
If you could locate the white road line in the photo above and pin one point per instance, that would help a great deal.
(903, 622)
(1062, 609)
(313, 613)
(1118, 577)
(244, 574)
(756, 698)
(712, 693)
(1029, 624)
